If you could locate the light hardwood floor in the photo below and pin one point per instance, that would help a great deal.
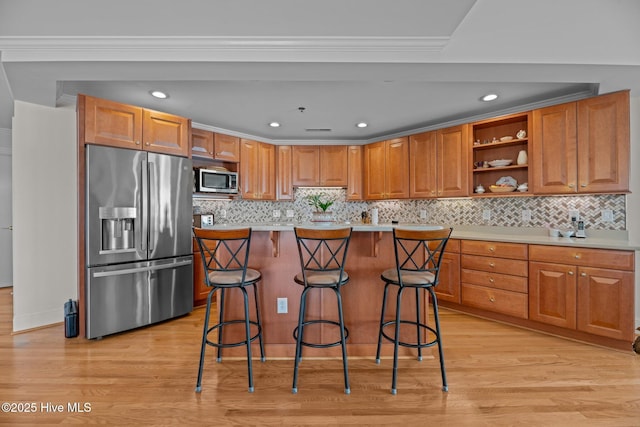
(498, 376)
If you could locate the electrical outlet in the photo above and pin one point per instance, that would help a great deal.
(574, 215)
(486, 214)
(290, 213)
(283, 306)
(223, 213)
(606, 215)
(276, 213)
(526, 215)
(423, 214)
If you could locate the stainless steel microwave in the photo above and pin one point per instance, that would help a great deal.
(216, 181)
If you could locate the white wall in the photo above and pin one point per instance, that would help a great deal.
(44, 213)
(633, 199)
(6, 264)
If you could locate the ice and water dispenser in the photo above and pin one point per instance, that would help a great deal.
(118, 226)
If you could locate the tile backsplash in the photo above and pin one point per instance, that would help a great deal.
(503, 211)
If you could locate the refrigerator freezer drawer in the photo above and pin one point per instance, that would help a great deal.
(127, 296)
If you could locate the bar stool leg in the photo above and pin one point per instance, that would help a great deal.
(384, 305)
(418, 324)
(220, 329)
(436, 316)
(259, 320)
(396, 341)
(247, 327)
(300, 328)
(343, 341)
(204, 341)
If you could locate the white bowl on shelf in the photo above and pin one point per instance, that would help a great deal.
(500, 162)
(506, 138)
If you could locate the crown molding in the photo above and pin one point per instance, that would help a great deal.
(271, 49)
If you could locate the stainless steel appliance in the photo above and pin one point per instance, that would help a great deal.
(138, 239)
(216, 181)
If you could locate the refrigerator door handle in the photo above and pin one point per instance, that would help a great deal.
(144, 203)
(152, 202)
(141, 269)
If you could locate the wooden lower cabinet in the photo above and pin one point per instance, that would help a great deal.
(582, 289)
(449, 287)
(494, 277)
(200, 289)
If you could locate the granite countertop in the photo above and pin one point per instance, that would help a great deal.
(599, 239)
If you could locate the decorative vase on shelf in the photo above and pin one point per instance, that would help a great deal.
(522, 157)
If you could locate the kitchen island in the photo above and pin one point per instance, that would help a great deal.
(274, 253)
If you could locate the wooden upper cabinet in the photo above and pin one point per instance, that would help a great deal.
(284, 184)
(354, 172)
(306, 165)
(554, 149)
(324, 165)
(201, 143)
(582, 147)
(386, 174)
(226, 147)
(257, 170)
(438, 163)
(423, 160)
(111, 123)
(165, 133)
(125, 126)
(603, 143)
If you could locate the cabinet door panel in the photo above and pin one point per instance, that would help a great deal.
(267, 171)
(374, 171)
(552, 294)
(284, 185)
(249, 155)
(354, 171)
(423, 161)
(453, 162)
(165, 133)
(227, 147)
(603, 143)
(554, 149)
(306, 165)
(333, 165)
(397, 168)
(605, 302)
(112, 123)
(202, 143)
(449, 287)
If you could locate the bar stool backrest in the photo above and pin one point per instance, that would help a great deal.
(420, 251)
(224, 252)
(323, 251)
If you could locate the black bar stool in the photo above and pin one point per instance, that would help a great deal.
(323, 253)
(225, 255)
(418, 256)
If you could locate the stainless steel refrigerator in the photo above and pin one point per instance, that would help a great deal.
(138, 239)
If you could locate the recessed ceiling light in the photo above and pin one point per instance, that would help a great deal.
(489, 97)
(362, 125)
(274, 124)
(158, 94)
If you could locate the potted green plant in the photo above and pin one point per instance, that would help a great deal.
(321, 202)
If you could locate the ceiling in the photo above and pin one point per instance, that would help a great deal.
(401, 66)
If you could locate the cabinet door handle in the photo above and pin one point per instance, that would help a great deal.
(583, 185)
(570, 273)
(148, 143)
(583, 274)
(137, 142)
(571, 185)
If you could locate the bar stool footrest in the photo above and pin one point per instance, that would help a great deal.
(218, 326)
(422, 326)
(317, 345)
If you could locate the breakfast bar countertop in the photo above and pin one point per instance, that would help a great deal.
(597, 239)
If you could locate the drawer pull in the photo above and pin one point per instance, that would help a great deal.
(491, 280)
(492, 299)
(577, 256)
(492, 264)
(570, 273)
(492, 249)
